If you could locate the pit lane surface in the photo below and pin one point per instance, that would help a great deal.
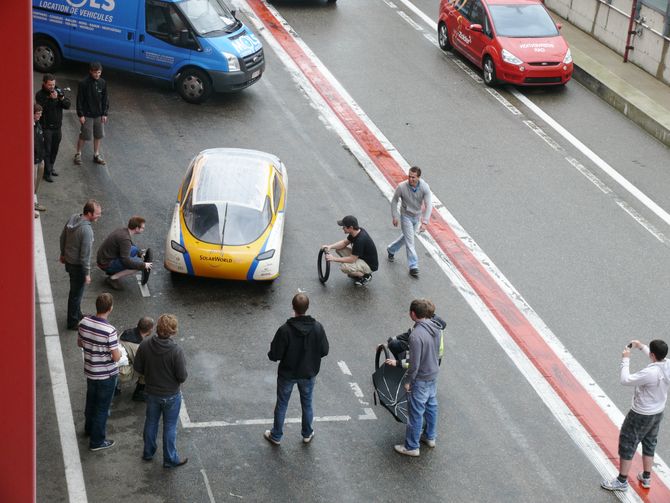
(538, 219)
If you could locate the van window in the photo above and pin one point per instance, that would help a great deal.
(163, 21)
(209, 17)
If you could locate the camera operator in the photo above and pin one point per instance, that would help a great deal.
(53, 101)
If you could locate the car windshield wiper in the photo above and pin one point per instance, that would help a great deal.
(225, 220)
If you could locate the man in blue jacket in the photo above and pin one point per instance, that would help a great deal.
(424, 356)
(298, 346)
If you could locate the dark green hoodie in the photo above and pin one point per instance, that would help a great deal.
(162, 363)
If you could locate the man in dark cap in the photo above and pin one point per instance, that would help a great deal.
(357, 252)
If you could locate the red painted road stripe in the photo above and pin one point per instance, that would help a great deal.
(591, 416)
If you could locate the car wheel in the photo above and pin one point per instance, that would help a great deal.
(489, 72)
(443, 37)
(194, 86)
(46, 56)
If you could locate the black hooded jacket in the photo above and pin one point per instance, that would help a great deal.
(162, 363)
(298, 346)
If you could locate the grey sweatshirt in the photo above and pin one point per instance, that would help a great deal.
(162, 363)
(411, 200)
(424, 350)
(76, 242)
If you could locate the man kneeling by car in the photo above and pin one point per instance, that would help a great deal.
(119, 257)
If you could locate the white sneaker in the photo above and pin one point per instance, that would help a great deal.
(307, 440)
(400, 449)
(646, 483)
(268, 437)
(614, 485)
(429, 442)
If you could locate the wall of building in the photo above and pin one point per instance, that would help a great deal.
(608, 23)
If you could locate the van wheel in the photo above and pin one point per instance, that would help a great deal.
(489, 72)
(46, 55)
(443, 37)
(194, 86)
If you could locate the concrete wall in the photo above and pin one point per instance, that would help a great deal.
(608, 23)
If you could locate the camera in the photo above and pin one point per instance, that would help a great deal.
(61, 92)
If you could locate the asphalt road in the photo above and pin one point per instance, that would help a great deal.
(592, 273)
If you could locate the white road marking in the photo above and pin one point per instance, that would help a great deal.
(343, 367)
(74, 475)
(209, 489)
(143, 288)
(554, 403)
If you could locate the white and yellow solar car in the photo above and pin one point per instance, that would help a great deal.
(228, 221)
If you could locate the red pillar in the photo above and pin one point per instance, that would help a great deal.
(17, 350)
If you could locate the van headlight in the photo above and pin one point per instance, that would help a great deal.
(508, 57)
(568, 57)
(266, 255)
(233, 62)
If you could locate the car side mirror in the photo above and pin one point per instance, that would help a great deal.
(559, 25)
(476, 27)
(234, 13)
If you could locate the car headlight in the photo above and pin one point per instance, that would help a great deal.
(233, 62)
(177, 247)
(508, 57)
(266, 255)
(568, 57)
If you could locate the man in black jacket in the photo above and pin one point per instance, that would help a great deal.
(92, 107)
(38, 147)
(53, 101)
(298, 346)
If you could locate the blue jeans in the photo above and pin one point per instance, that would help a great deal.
(284, 388)
(77, 285)
(169, 407)
(117, 265)
(99, 394)
(409, 225)
(422, 401)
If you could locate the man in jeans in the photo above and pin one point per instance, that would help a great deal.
(644, 418)
(76, 241)
(163, 365)
(421, 386)
(298, 346)
(412, 193)
(98, 339)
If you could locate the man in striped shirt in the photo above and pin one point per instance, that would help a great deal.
(98, 339)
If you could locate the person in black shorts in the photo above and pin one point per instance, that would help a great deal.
(357, 252)
(644, 418)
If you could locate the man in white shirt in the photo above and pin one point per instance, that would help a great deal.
(644, 418)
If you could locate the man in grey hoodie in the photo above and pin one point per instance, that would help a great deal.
(413, 194)
(424, 366)
(298, 346)
(76, 241)
(162, 363)
(644, 418)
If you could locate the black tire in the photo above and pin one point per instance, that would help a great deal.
(321, 260)
(489, 70)
(46, 55)
(443, 37)
(194, 86)
(381, 349)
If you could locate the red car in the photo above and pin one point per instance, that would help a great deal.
(513, 41)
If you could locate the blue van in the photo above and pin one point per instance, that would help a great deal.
(199, 45)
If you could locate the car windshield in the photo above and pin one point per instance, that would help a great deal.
(229, 203)
(208, 17)
(522, 21)
(227, 224)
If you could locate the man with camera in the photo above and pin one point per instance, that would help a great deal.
(644, 418)
(53, 102)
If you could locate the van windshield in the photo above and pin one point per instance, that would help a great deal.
(522, 21)
(209, 17)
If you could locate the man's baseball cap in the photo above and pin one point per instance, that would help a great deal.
(348, 221)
